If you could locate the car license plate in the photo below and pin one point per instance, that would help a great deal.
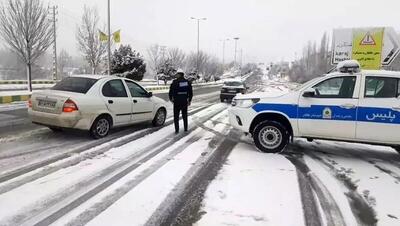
(46, 104)
(232, 91)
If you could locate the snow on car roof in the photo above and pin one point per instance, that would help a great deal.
(369, 72)
(233, 80)
(380, 72)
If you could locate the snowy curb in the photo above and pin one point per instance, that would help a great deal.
(13, 98)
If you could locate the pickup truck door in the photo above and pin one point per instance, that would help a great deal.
(331, 112)
(379, 110)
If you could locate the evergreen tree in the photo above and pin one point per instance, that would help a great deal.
(128, 63)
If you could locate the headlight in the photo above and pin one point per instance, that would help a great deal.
(245, 103)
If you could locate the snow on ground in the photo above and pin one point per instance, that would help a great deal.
(373, 170)
(253, 189)
(13, 106)
(39, 193)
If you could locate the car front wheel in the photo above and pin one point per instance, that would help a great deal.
(101, 127)
(159, 118)
(270, 137)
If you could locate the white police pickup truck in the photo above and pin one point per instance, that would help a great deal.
(346, 105)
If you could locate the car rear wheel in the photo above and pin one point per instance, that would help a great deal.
(270, 137)
(159, 118)
(101, 127)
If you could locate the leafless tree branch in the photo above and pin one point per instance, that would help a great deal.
(25, 29)
(88, 39)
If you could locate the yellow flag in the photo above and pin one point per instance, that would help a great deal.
(103, 37)
(117, 36)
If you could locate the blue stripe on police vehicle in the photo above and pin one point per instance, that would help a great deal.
(325, 112)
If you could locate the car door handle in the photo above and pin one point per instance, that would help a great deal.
(110, 101)
(134, 101)
(348, 106)
(396, 109)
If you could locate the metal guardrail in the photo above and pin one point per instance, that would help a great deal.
(16, 98)
(7, 82)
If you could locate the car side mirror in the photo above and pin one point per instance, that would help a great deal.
(150, 94)
(309, 93)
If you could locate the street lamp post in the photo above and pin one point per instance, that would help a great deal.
(198, 40)
(241, 58)
(223, 50)
(236, 39)
(109, 38)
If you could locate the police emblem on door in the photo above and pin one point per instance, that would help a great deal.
(327, 113)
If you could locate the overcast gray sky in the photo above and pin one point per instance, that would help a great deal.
(269, 30)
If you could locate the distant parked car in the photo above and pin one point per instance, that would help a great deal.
(231, 88)
(95, 103)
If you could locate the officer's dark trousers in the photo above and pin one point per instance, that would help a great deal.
(177, 110)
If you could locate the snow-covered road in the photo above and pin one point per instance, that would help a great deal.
(212, 175)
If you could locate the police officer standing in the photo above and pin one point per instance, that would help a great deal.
(180, 94)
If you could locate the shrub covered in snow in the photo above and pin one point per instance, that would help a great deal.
(128, 63)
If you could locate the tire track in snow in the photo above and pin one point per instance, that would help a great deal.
(363, 212)
(332, 213)
(182, 205)
(49, 210)
(108, 144)
(110, 199)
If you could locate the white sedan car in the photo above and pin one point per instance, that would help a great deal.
(95, 103)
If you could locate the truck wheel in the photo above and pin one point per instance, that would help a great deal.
(101, 127)
(270, 137)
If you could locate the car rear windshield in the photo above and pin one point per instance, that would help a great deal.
(233, 84)
(75, 84)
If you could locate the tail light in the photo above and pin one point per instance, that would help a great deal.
(70, 106)
(29, 103)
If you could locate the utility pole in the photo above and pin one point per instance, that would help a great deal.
(198, 42)
(236, 39)
(54, 21)
(109, 37)
(223, 50)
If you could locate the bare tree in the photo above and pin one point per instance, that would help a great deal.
(87, 36)
(64, 59)
(155, 57)
(177, 57)
(25, 29)
(191, 61)
(213, 69)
